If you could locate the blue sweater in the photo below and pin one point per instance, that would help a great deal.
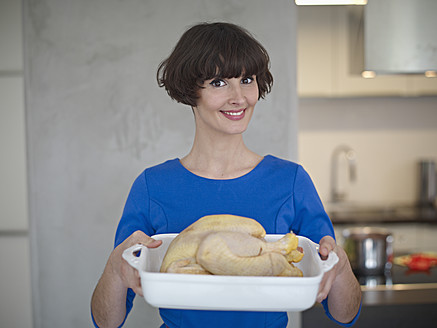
(277, 193)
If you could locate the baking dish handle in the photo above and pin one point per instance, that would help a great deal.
(329, 263)
(130, 256)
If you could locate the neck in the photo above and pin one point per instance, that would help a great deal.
(220, 158)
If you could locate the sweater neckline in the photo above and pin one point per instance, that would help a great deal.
(253, 171)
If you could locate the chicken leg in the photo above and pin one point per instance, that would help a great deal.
(236, 253)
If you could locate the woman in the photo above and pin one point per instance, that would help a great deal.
(221, 71)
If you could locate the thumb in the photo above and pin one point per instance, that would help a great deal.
(326, 245)
(153, 243)
(324, 251)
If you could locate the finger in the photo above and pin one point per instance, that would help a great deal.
(139, 237)
(153, 243)
(139, 291)
(326, 284)
(137, 288)
(319, 297)
(321, 291)
(326, 245)
(324, 251)
(133, 281)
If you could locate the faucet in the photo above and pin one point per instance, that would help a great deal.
(336, 194)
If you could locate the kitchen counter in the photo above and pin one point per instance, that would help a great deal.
(401, 298)
(400, 294)
(400, 286)
(395, 214)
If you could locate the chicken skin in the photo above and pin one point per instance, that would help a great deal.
(231, 245)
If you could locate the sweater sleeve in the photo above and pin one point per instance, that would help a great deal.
(311, 219)
(136, 212)
(135, 217)
(328, 314)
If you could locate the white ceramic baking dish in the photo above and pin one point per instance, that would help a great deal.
(214, 292)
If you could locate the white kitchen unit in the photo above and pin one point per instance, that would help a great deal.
(11, 49)
(15, 287)
(331, 57)
(13, 188)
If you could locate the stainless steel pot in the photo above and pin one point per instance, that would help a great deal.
(369, 250)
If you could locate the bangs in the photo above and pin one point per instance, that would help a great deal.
(231, 56)
(207, 51)
(231, 67)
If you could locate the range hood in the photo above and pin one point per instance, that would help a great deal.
(400, 36)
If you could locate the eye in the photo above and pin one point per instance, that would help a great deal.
(217, 83)
(247, 80)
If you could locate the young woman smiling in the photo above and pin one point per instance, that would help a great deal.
(222, 113)
(220, 71)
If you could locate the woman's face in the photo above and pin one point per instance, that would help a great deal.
(226, 105)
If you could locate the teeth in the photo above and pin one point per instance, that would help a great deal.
(234, 113)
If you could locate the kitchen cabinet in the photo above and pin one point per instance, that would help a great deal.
(15, 282)
(15, 286)
(330, 58)
(315, 72)
(381, 316)
(420, 85)
(13, 178)
(11, 49)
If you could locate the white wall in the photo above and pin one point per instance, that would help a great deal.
(96, 118)
(389, 135)
(15, 290)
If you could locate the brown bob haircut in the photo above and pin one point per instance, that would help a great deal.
(213, 50)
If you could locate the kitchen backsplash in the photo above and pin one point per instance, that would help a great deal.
(389, 136)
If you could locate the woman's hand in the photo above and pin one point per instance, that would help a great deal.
(127, 274)
(108, 302)
(340, 283)
(326, 245)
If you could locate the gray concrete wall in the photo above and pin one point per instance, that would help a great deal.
(96, 119)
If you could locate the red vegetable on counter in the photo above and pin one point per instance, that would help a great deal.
(418, 261)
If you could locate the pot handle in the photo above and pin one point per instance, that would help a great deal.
(130, 256)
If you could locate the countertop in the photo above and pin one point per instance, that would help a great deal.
(400, 286)
(401, 298)
(400, 294)
(399, 214)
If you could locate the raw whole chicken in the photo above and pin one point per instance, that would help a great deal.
(231, 245)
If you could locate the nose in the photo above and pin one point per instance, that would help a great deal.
(236, 96)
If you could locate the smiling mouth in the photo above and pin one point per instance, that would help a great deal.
(234, 113)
